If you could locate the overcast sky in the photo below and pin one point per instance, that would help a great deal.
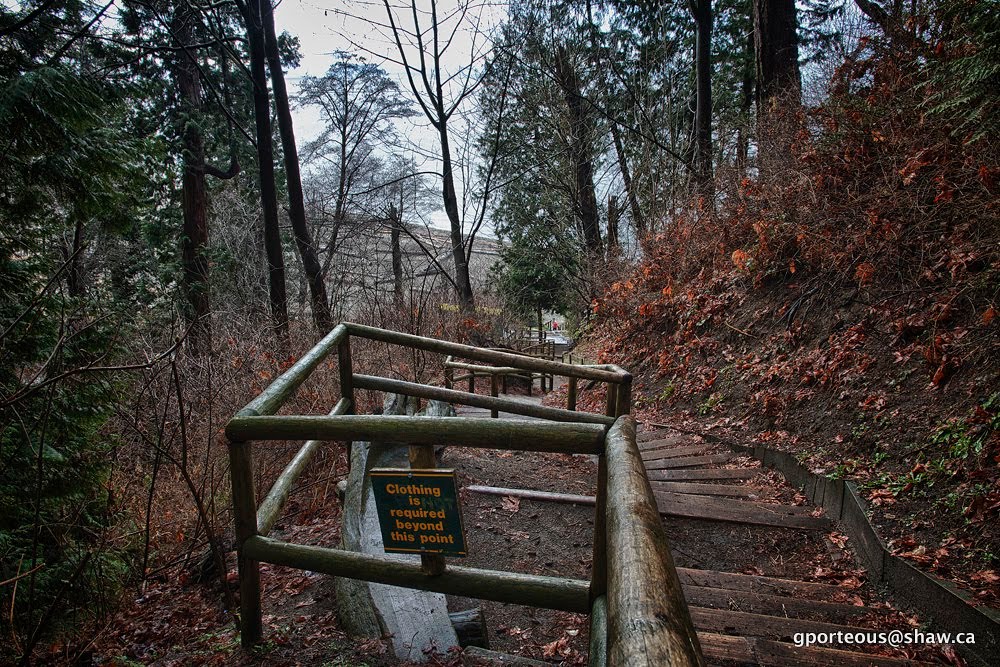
(361, 26)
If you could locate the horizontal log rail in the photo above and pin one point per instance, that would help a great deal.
(270, 508)
(562, 437)
(484, 354)
(511, 587)
(283, 387)
(648, 619)
(482, 370)
(638, 614)
(454, 396)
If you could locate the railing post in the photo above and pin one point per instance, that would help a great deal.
(599, 569)
(599, 576)
(449, 377)
(346, 367)
(422, 456)
(552, 357)
(623, 403)
(494, 392)
(503, 383)
(571, 394)
(472, 382)
(245, 516)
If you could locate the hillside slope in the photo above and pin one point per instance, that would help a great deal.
(842, 306)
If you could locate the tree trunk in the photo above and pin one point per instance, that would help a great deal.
(614, 214)
(466, 299)
(702, 12)
(194, 190)
(746, 106)
(778, 85)
(396, 220)
(265, 158)
(296, 202)
(633, 200)
(776, 46)
(581, 148)
(73, 255)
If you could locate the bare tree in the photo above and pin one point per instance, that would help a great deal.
(422, 50)
(358, 102)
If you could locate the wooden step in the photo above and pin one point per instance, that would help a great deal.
(758, 583)
(776, 605)
(700, 475)
(675, 452)
(732, 490)
(667, 443)
(660, 434)
(738, 511)
(754, 651)
(688, 461)
(760, 625)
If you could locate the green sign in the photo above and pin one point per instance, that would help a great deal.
(418, 511)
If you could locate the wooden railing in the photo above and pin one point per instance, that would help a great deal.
(638, 613)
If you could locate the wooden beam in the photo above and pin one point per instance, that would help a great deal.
(759, 583)
(767, 653)
(702, 474)
(688, 461)
(482, 354)
(648, 619)
(284, 386)
(494, 392)
(516, 434)
(761, 625)
(345, 369)
(511, 587)
(675, 452)
(531, 494)
(485, 370)
(776, 605)
(739, 511)
(508, 405)
(694, 488)
(270, 508)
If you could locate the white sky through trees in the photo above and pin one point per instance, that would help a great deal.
(361, 26)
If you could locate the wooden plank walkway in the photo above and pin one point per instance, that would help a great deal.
(749, 619)
(687, 461)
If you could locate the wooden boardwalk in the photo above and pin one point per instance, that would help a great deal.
(752, 619)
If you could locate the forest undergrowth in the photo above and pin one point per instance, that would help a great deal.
(841, 304)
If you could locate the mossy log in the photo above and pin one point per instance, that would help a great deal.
(565, 438)
(532, 590)
(507, 405)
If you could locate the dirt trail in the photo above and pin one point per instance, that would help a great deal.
(757, 562)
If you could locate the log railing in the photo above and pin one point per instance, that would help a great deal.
(638, 613)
